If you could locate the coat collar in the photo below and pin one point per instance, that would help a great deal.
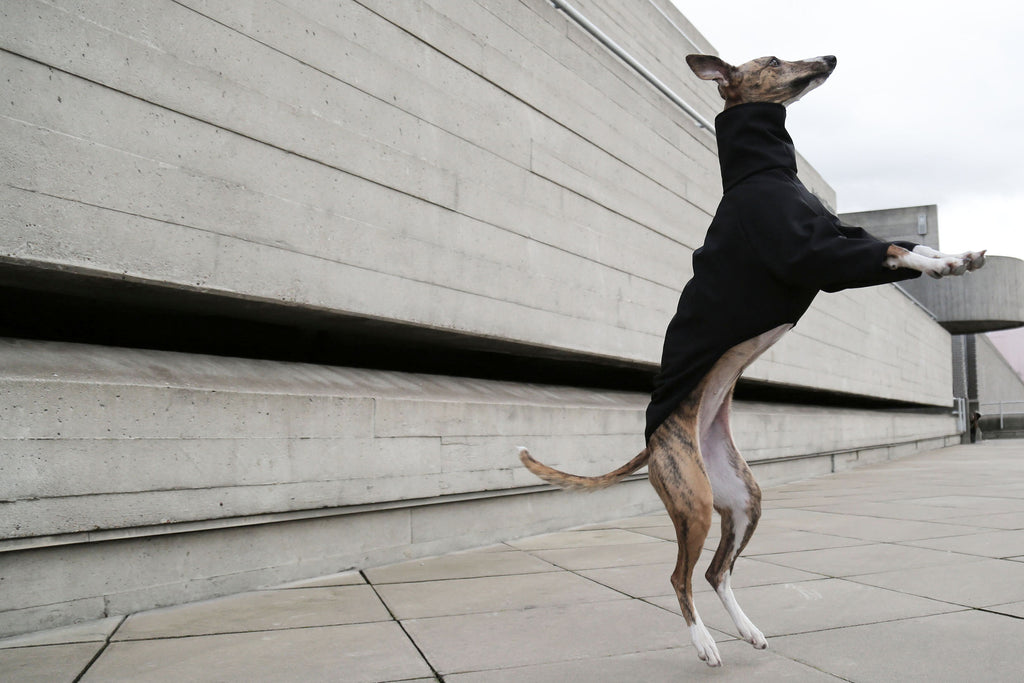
(752, 138)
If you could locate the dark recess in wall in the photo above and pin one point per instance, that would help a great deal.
(58, 305)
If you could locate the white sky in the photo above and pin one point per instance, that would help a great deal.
(923, 108)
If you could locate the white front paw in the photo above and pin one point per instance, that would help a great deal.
(947, 265)
(707, 651)
(974, 259)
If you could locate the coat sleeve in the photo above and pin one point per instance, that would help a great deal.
(806, 247)
(854, 232)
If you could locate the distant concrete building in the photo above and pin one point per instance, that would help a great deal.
(989, 380)
(919, 224)
(1011, 345)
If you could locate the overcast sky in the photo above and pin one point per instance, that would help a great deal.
(923, 108)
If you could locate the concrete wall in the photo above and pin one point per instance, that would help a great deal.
(481, 169)
(431, 153)
(1010, 344)
(1000, 395)
(997, 380)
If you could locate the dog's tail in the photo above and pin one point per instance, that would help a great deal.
(576, 482)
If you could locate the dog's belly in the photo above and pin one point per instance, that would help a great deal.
(716, 386)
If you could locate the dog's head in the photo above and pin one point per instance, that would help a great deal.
(767, 79)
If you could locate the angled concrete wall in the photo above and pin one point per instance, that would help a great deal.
(480, 169)
(1010, 344)
(429, 153)
(997, 380)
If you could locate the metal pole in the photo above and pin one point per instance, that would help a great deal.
(628, 59)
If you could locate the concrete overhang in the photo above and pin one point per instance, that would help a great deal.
(982, 301)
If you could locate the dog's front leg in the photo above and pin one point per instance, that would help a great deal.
(972, 259)
(937, 267)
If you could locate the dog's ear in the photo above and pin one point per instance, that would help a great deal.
(710, 68)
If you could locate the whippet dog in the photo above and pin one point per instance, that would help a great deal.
(770, 248)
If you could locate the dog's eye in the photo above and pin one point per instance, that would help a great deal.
(774, 61)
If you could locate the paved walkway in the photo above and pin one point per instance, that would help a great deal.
(907, 570)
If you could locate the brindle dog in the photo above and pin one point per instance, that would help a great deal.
(692, 461)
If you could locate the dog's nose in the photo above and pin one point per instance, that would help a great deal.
(831, 61)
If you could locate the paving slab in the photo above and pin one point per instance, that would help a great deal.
(866, 528)
(976, 583)
(356, 653)
(888, 509)
(987, 544)
(342, 579)
(822, 604)
(259, 611)
(638, 581)
(46, 663)
(582, 539)
(864, 559)
(492, 594)
(652, 580)
(1013, 609)
(460, 566)
(1005, 520)
(742, 664)
(88, 632)
(959, 646)
(595, 557)
(988, 504)
(768, 541)
(668, 533)
(658, 520)
(475, 642)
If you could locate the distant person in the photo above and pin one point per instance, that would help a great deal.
(975, 427)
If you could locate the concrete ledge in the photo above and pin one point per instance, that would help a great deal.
(98, 439)
(983, 301)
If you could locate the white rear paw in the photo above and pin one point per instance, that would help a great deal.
(707, 651)
(748, 631)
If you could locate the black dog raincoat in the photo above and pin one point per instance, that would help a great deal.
(772, 246)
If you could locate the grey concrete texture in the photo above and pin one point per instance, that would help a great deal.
(428, 153)
(997, 380)
(910, 570)
(225, 438)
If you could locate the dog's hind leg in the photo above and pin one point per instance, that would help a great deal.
(737, 498)
(677, 474)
